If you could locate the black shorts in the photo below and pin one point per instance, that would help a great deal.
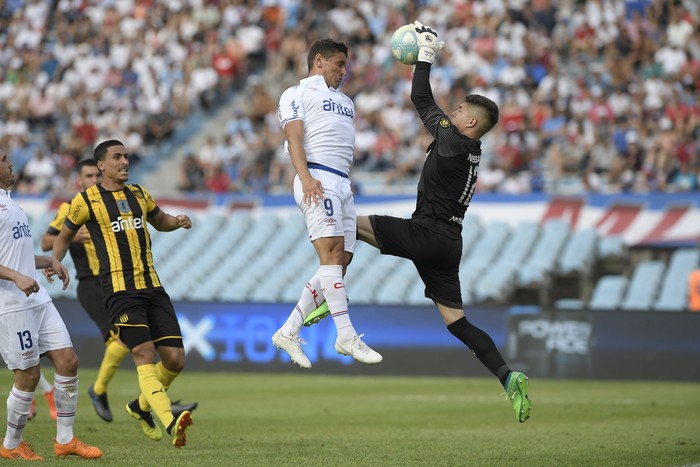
(90, 297)
(145, 315)
(435, 256)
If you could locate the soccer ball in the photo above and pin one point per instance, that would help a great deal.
(404, 45)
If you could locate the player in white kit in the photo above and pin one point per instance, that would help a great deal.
(318, 122)
(30, 327)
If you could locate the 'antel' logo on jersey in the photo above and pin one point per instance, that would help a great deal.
(21, 231)
(331, 106)
(124, 224)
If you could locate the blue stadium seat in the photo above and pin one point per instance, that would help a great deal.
(644, 285)
(579, 252)
(608, 292)
(543, 258)
(498, 281)
(673, 295)
(182, 250)
(482, 254)
(416, 294)
(471, 230)
(611, 246)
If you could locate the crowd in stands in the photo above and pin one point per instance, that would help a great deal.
(595, 95)
(75, 72)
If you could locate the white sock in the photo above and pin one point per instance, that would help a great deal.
(44, 385)
(334, 291)
(18, 403)
(311, 298)
(66, 397)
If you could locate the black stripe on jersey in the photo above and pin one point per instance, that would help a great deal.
(100, 243)
(141, 234)
(121, 240)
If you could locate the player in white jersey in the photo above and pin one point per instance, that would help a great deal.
(318, 122)
(30, 327)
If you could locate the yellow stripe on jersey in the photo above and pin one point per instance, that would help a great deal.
(117, 224)
(83, 254)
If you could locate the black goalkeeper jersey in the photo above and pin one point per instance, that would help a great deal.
(448, 178)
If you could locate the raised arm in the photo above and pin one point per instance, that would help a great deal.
(421, 93)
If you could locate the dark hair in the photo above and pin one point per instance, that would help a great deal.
(325, 47)
(489, 107)
(86, 163)
(101, 149)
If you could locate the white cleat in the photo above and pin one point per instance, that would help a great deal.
(358, 350)
(291, 345)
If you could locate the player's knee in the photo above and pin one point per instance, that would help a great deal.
(27, 380)
(173, 358)
(176, 366)
(144, 353)
(66, 362)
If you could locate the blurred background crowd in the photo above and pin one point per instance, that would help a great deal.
(595, 95)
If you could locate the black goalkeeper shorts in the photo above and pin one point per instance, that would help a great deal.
(435, 256)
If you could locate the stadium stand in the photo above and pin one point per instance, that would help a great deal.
(608, 293)
(612, 255)
(575, 266)
(249, 247)
(498, 281)
(643, 286)
(673, 295)
(535, 275)
(594, 96)
(481, 255)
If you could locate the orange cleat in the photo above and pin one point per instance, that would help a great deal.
(21, 452)
(51, 403)
(75, 447)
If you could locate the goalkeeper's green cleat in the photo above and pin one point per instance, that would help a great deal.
(317, 315)
(516, 392)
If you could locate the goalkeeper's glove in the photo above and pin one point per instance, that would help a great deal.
(428, 43)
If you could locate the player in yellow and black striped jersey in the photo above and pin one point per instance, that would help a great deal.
(89, 292)
(115, 214)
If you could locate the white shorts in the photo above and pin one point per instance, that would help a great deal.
(336, 215)
(27, 334)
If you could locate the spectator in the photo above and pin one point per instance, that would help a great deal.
(191, 174)
(38, 175)
(216, 179)
(546, 63)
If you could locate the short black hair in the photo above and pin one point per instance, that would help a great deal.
(325, 47)
(86, 163)
(101, 149)
(489, 107)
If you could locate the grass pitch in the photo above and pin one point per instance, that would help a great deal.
(308, 419)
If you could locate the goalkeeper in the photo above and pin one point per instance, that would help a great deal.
(432, 238)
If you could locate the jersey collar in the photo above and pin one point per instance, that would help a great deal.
(318, 78)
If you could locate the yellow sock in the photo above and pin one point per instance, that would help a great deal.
(165, 377)
(154, 393)
(114, 354)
